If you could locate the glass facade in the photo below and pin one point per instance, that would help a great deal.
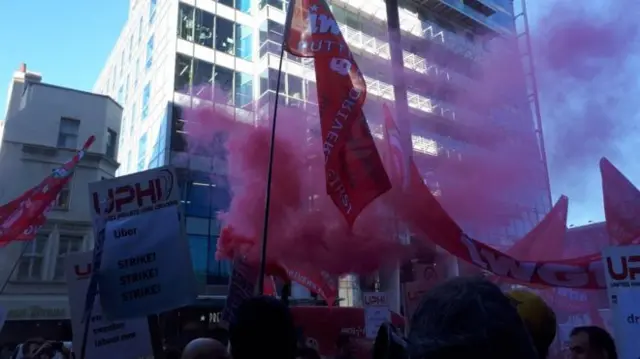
(205, 194)
(227, 49)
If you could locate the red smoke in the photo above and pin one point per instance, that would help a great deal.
(305, 228)
(488, 169)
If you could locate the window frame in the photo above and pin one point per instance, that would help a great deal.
(153, 4)
(150, 46)
(112, 136)
(59, 258)
(76, 124)
(65, 191)
(146, 98)
(30, 255)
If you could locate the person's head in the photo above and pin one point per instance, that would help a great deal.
(263, 326)
(591, 342)
(307, 353)
(538, 317)
(468, 318)
(172, 353)
(205, 348)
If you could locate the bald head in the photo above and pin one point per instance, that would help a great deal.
(205, 348)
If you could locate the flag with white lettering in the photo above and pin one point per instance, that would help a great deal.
(425, 216)
(354, 172)
(21, 218)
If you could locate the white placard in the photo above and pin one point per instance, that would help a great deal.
(146, 267)
(147, 203)
(376, 312)
(622, 272)
(125, 339)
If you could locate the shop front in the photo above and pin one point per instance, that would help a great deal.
(30, 316)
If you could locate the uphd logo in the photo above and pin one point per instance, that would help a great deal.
(321, 23)
(137, 194)
(627, 270)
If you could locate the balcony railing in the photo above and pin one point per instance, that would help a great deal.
(378, 47)
(410, 23)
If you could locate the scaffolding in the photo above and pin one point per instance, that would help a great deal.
(526, 52)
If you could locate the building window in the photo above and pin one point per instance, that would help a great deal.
(31, 265)
(68, 133)
(134, 113)
(142, 152)
(121, 95)
(204, 28)
(127, 165)
(140, 26)
(184, 73)
(186, 22)
(199, 253)
(135, 76)
(244, 42)
(63, 198)
(223, 78)
(146, 94)
(152, 10)
(224, 35)
(112, 143)
(228, 3)
(243, 5)
(67, 244)
(202, 74)
(243, 88)
(149, 61)
(131, 45)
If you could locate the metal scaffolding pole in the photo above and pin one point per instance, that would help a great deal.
(404, 126)
(399, 85)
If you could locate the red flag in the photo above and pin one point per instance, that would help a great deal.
(22, 217)
(269, 288)
(398, 159)
(546, 241)
(316, 281)
(354, 172)
(621, 205)
(424, 215)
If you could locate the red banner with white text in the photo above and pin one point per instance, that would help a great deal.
(424, 215)
(354, 172)
(21, 218)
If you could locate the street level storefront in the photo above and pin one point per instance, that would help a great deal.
(31, 316)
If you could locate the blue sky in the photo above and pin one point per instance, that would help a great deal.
(68, 42)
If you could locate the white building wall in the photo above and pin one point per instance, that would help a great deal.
(33, 287)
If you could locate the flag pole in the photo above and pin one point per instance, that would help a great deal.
(267, 198)
(25, 246)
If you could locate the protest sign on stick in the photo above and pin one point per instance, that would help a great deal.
(105, 339)
(242, 286)
(144, 247)
(622, 272)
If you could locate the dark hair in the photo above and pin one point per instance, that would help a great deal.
(308, 353)
(172, 353)
(599, 339)
(220, 334)
(263, 326)
(467, 318)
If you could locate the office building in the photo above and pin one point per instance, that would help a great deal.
(44, 125)
(168, 48)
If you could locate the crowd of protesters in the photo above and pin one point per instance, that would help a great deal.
(461, 318)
